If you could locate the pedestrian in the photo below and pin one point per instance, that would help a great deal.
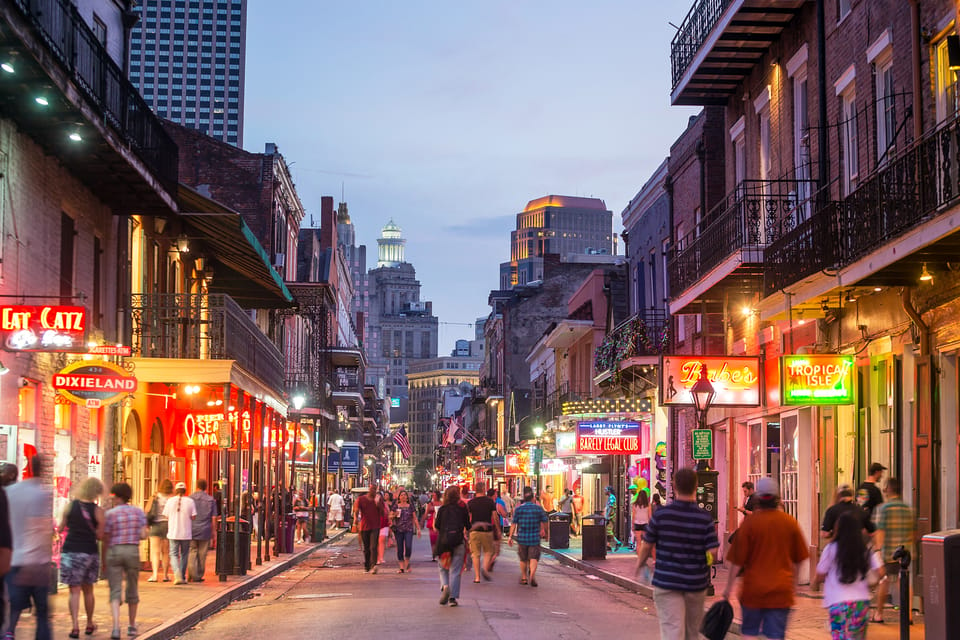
(896, 526)
(484, 526)
(159, 547)
(451, 523)
(769, 547)
(684, 538)
(547, 500)
(529, 527)
(845, 569)
(385, 540)
(565, 506)
(369, 508)
(301, 511)
(405, 525)
(868, 493)
(8, 474)
(124, 527)
(610, 514)
(6, 549)
(429, 515)
(180, 512)
(655, 503)
(202, 531)
(749, 499)
(639, 516)
(577, 510)
(28, 581)
(335, 509)
(843, 503)
(83, 522)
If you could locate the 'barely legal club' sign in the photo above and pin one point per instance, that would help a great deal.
(735, 380)
(610, 437)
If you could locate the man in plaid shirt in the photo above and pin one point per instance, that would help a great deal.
(529, 525)
(123, 530)
(896, 525)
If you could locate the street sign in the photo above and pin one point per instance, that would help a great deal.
(351, 459)
(702, 444)
(225, 434)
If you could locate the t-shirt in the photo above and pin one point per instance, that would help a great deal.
(180, 512)
(481, 509)
(835, 511)
(370, 510)
(6, 538)
(526, 523)
(768, 544)
(835, 591)
(206, 511)
(896, 519)
(682, 533)
(31, 511)
(546, 500)
(335, 502)
(868, 497)
(566, 504)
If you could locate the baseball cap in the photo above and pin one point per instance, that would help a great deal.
(181, 485)
(767, 487)
(875, 467)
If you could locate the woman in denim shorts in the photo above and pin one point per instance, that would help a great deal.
(83, 521)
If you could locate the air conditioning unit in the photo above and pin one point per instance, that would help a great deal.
(279, 260)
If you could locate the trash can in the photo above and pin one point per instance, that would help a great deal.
(594, 537)
(225, 547)
(941, 583)
(320, 525)
(560, 530)
(290, 522)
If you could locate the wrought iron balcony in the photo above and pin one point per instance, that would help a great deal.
(73, 45)
(181, 325)
(645, 334)
(755, 214)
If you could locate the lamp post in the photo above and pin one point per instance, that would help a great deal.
(538, 456)
(703, 394)
(298, 401)
(339, 443)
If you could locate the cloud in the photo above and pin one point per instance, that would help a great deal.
(492, 226)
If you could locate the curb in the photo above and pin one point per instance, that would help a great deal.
(204, 610)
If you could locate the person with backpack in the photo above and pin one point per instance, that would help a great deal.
(451, 523)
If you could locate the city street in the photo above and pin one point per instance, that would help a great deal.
(329, 596)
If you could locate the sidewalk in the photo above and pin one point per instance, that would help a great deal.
(807, 622)
(167, 610)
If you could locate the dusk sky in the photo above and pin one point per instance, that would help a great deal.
(450, 116)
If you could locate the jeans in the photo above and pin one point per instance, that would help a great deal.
(404, 545)
(21, 597)
(370, 539)
(680, 613)
(451, 577)
(179, 552)
(198, 559)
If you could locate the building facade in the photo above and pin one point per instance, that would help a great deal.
(429, 381)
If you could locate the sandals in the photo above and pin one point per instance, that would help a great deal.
(74, 634)
(523, 581)
(475, 581)
(90, 629)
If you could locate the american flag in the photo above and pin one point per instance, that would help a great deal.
(463, 434)
(400, 438)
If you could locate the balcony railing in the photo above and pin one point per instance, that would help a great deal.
(755, 214)
(645, 334)
(102, 82)
(180, 325)
(347, 380)
(691, 35)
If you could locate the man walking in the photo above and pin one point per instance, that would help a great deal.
(683, 535)
(31, 506)
(202, 531)
(610, 514)
(528, 527)
(769, 547)
(180, 512)
(868, 493)
(370, 509)
(335, 509)
(547, 501)
(896, 525)
(483, 524)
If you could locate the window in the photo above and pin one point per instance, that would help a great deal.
(845, 88)
(67, 239)
(99, 30)
(762, 108)
(880, 55)
(948, 102)
(739, 150)
(843, 9)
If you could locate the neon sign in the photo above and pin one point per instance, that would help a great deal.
(94, 383)
(816, 379)
(202, 430)
(608, 437)
(43, 328)
(735, 379)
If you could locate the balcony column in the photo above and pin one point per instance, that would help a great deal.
(224, 455)
(266, 500)
(261, 486)
(238, 487)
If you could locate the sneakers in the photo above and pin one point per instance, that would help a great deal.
(453, 602)
(132, 631)
(445, 595)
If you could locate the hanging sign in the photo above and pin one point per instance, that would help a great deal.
(613, 437)
(110, 350)
(566, 443)
(43, 328)
(735, 379)
(816, 379)
(94, 383)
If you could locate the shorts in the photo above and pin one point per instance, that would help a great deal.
(639, 527)
(481, 542)
(79, 568)
(384, 532)
(772, 623)
(528, 552)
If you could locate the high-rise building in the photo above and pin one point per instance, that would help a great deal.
(562, 225)
(356, 258)
(438, 387)
(187, 60)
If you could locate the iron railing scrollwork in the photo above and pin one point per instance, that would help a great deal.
(693, 32)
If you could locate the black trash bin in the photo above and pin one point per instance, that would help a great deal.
(560, 530)
(319, 532)
(291, 528)
(225, 547)
(594, 537)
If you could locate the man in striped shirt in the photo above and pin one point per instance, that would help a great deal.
(684, 535)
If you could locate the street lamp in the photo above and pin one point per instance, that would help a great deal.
(538, 456)
(703, 394)
(339, 443)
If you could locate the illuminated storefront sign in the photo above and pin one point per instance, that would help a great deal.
(110, 350)
(735, 379)
(550, 466)
(94, 383)
(608, 437)
(202, 430)
(607, 405)
(566, 442)
(517, 463)
(816, 379)
(43, 328)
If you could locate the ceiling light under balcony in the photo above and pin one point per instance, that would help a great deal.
(7, 66)
(42, 101)
(75, 136)
(925, 276)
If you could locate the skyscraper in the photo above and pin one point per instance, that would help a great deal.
(187, 60)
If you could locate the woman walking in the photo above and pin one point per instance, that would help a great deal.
(451, 522)
(159, 547)
(83, 521)
(405, 524)
(385, 525)
(845, 567)
(640, 515)
(123, 531)
(429, 515)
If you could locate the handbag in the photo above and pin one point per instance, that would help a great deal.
(154, 512)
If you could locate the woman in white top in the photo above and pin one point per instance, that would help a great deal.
(845, 568)
(640, 515)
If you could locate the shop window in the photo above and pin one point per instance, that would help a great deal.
(156, 437)
(131, 432)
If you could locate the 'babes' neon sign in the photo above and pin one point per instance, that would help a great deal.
(735, 380)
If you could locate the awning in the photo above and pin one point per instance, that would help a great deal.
(242, 267)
